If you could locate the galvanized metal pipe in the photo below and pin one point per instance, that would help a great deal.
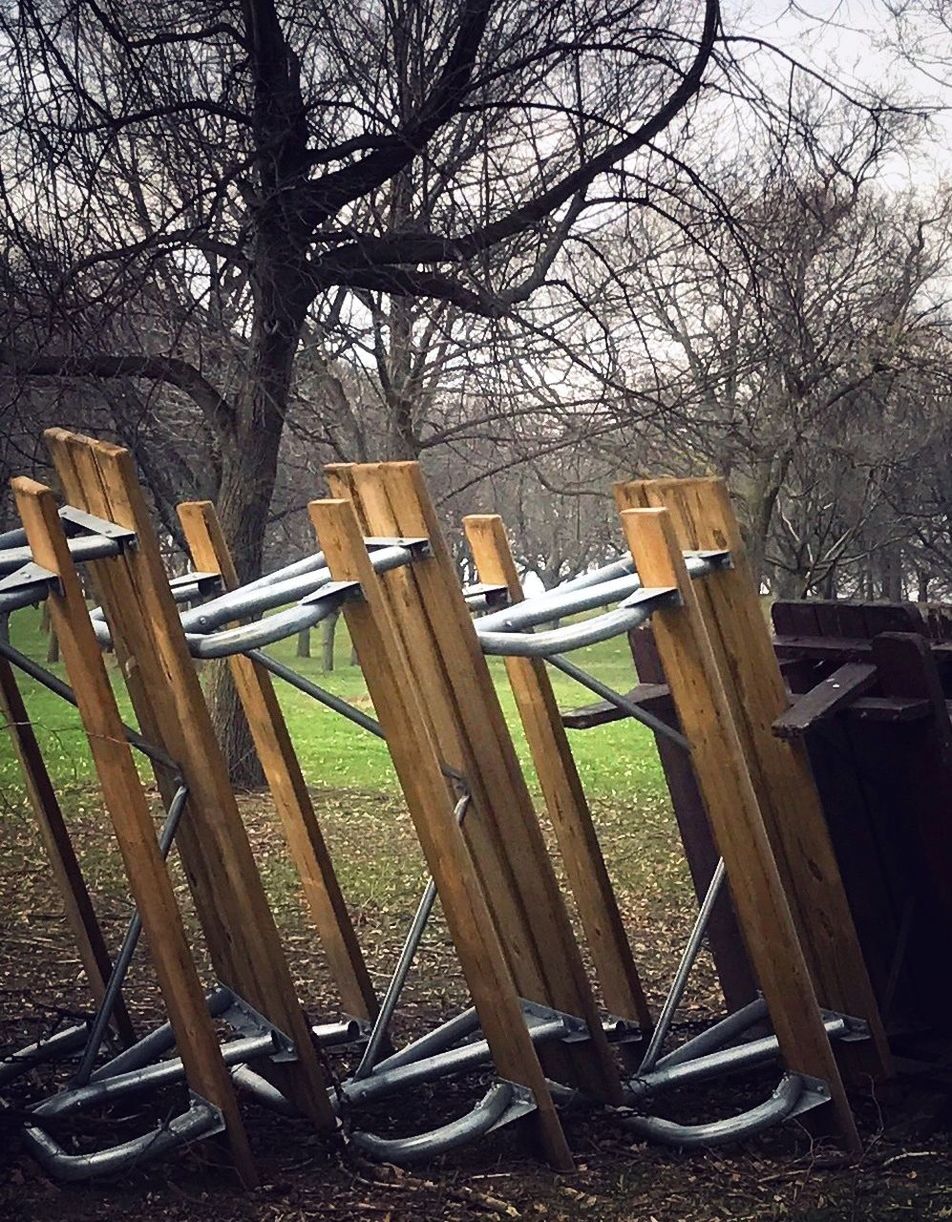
(309, 688)
(719, 1034)
(438, 1040)
(202, 1119)
(585, 594)
(357, 1091)
(53, 1048)
(717, 1064)
(129, 943)
(399, 978)
(678, 985)
(81, 549)
(56, 685)
(406, 1150)
(520, 644)
(158, 1041)
(117, 1086)
(720, 1132)
(267, 594)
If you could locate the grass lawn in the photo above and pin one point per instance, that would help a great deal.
(617, 760)
(381, 871)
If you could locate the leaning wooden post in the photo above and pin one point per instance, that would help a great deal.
(416, 759)
(562, 789)
(149, 882)
(243, 941)
(60, 853)
(716, 752)
(467, 722)
(282, 771)
(780, 770)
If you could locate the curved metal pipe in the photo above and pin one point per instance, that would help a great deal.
(561, 640)
(719, 1132)
(201, 1120)
(404, 1150)
(543, 608)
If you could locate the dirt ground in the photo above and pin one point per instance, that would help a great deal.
(905, 1171)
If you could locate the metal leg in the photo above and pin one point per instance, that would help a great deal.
(130, 941)
(678, 985)
(399, 978)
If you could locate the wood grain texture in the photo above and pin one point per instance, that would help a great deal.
(721, 769)
(135, 833)
(287, 784)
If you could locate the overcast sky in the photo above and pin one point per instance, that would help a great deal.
(855, 42)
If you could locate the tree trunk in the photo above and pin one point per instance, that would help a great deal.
(327, 644)
(304, 643)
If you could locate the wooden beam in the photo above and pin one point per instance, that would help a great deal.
(833, 693)
(149, 882)
(562, 789)
(230, 900)
(416, 757)
(703, 518)
(723, 935)
(460, 700)
(77, 903)
(286, 781)
(720, 765)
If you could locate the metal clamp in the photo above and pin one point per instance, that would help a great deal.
(87, 523)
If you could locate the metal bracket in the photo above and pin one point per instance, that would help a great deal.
(856, 1028)
(621, 1030)
(494, 595)
(418, 547)
(523, 1104)
(652, 598)
(343, 591)
(246, 1020)
(30, 574)
(205, 583)
(576, 1029)
(814, 1094)
(81, 521)
(716, 559)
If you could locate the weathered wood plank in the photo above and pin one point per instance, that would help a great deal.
(724, 937)
(286, 781)
(124, 800)
(502, 829)
(563, 792)
(60, 853)
(416, 758)
(721, 768)
(242, 937)
(833, 693)
(780, 771)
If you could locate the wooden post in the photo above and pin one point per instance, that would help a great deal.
(78, 905)
(286, 781)
(723, 935)
(721, 769)
(239, 927)
(563, 792)
(123, 797)
(467, 722)
(780, 771)
(416, 758)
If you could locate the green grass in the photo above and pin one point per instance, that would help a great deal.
(618, 759)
